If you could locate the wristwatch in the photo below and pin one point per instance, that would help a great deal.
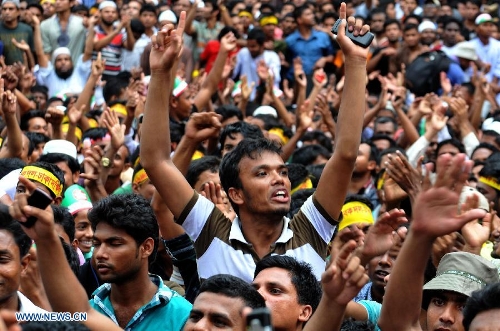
(106, 163)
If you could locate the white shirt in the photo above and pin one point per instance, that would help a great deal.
(74, 84)
(27, 306)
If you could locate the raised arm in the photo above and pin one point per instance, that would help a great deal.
(8, 102)
(227, 44)
(434, 215)
(338, 170)
(43, 61)
(155, 139)
(63, 296)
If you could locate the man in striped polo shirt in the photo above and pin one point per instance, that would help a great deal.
(253, 175)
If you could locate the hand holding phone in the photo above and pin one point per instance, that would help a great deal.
(259, 320)
(38, 199)
(360, 40)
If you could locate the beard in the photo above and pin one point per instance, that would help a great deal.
(64, 74)
(107, 23)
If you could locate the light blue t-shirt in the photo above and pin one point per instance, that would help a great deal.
(374, 309)
(167, 310)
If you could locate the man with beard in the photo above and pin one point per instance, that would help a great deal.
(110, 39)
(253, 175)
(428, 35)
(60, 73)
(377, 19)
(11, 28)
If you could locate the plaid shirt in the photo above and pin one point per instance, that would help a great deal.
(167, 310)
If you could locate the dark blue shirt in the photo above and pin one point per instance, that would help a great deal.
(311, 50)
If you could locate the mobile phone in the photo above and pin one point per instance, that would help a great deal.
(38, 199)
(363, 41)
(259, 320)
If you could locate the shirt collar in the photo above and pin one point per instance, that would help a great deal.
(236, 234)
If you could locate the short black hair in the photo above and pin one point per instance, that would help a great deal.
(320, 137)
(307, 154)
(233, 287)
(95, 133)
(300, 10)
(26, 117)
(40, 8)
(227, 29)
(258, 35)
(453, 142)
(228, 111)
(297, 174)
(380, 136)
(410, 26)
(391, 150)
(417, 17)
(8, 164)
(114, 88)
(12, 226)
(484, 145)
(230, 166)
(352, 325)
(481, 301)
(60, 157)
(147, 8)
(129, 212)
(197, 167)
(391, 21)
(301, 274)
(63, 217)
(36, 138)
(247, 130)
(77, 8)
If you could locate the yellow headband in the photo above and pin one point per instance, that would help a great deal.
(381, 181)
(120, 109)
(304, 185)
(490, 181)
(279, 132)
(140, 177)
(269, 20)
(245, 13)
(197, 155)
(78, 131)
(355, 212)
(93, 123)
(43, 177)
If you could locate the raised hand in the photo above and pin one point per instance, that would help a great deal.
(202, 126)
(92, 166)
(380, 236)
(228, 42)
(22, 45)
(75, 114)
(98, 65)
(351, 51)
(298, 72)
(435, 209)
(344, 277)
(246, 90)
(216, 194)
(115, 129)
(167, 46)
(305, 116)
(319, 78)
(401, 171)
(20, 210)
(262, 70)
(54, 116)
(9, 102)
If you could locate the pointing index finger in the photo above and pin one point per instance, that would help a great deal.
(182, 24)
(343, 11)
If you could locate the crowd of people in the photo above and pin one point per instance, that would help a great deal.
(201, 160)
